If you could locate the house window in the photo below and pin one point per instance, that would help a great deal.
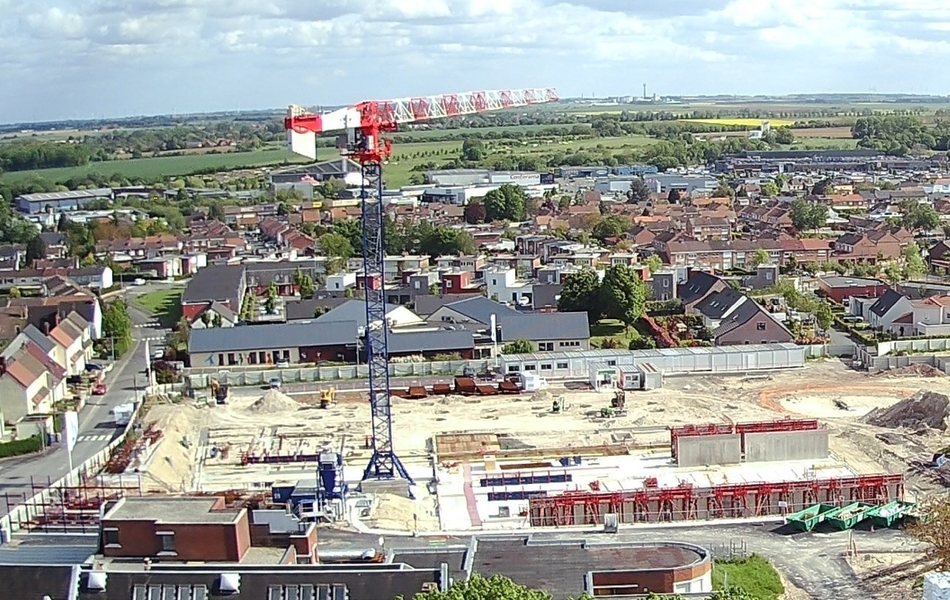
(448, 283)
(666, 283)
(221, 360)
(110, 536)
(760, 326)
(167, 538)
(611, 363)
(231, 360)
(531, 367)
(546, 347)
(562, 365)
(513, 369)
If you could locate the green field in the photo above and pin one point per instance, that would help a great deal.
(164, 304)
(165, 166)
(424, 134)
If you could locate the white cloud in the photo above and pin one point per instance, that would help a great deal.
(222, 54)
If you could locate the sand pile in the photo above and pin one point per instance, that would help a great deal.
(922, 370)
(273, 401)
(923, 409)
(171, 465)
(397, 513)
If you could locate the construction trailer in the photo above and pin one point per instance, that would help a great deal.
(639, 376)
(687, 503)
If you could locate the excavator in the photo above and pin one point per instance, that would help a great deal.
(327, 397)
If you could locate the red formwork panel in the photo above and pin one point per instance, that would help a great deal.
(684, 502)
(783, 425)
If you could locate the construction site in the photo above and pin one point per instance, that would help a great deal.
(699, 448)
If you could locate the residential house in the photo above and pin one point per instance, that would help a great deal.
(930, 316)
(226, 284)
(884, 313)
(750, 323)
(295, 342)
(54, 243)
(715, 307)
(709, 228)
(355, 310)
(24, 386)
(13, 319)
(699, 285)
(215, 315)
(69, 346)
(807, 251)
(503, 285)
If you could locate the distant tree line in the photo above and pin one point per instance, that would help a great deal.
(898, 135)
(26, 156)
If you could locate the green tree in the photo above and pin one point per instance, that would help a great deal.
(674, 196)
(639, 191)
(581, 292)
(759, 257)
(914, 260)
(14, 292)
(117, 325)
(623, 294)
(784, 135)
(335, 245)
(769, 189)
(477, 587)
(919, 216)
(610, 226)
(35, 249)
(475, 213)
(807, 215)
(823, 187)
(473, 150)
(723, 190)
(507, 203)
(653, 262)
(270, 304)
(823, 316)
(517, 347)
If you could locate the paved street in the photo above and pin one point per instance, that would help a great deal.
(96, 428)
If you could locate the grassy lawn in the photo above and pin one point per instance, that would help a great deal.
(753, 574)
(612, 328)
(164, 304)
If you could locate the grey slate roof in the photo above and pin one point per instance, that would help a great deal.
(430, 341)
(302, 310)
(697, 286)
(351, 310)
(281, 335)
(214, 282)
(37, 581)
(715, 306)
(36, 336)
(480, 308)
(427, 304)
(885, 303)
(545, 296)
(544, 326)
(746, 311)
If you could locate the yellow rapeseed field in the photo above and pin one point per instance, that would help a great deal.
(743, 122)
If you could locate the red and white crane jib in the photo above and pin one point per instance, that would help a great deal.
(385, 115)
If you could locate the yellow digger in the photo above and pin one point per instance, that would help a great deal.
(327, 397)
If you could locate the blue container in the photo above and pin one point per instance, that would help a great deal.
(565, 461)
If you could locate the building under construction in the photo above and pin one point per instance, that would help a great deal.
(712, 471)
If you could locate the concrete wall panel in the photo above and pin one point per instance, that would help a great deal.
(709, 450)
(786, 445)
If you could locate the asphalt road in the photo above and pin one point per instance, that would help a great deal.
(96, 425)
(813, 561)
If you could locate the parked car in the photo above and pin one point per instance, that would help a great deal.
(90, 367)
(158, 354)
(99, 389)
(74, 380)
(138, 281)
(282, 364)
(274, 383)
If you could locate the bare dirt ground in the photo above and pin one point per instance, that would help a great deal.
(298, 425)
(891, 575)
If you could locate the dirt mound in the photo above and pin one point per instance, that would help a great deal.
(923, 409)
(273, 401)
(913, 371)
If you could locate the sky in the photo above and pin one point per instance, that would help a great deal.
(82, 59)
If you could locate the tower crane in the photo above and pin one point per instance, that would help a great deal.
(361, 127)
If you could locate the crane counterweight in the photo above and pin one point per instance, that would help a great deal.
(363, 125)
